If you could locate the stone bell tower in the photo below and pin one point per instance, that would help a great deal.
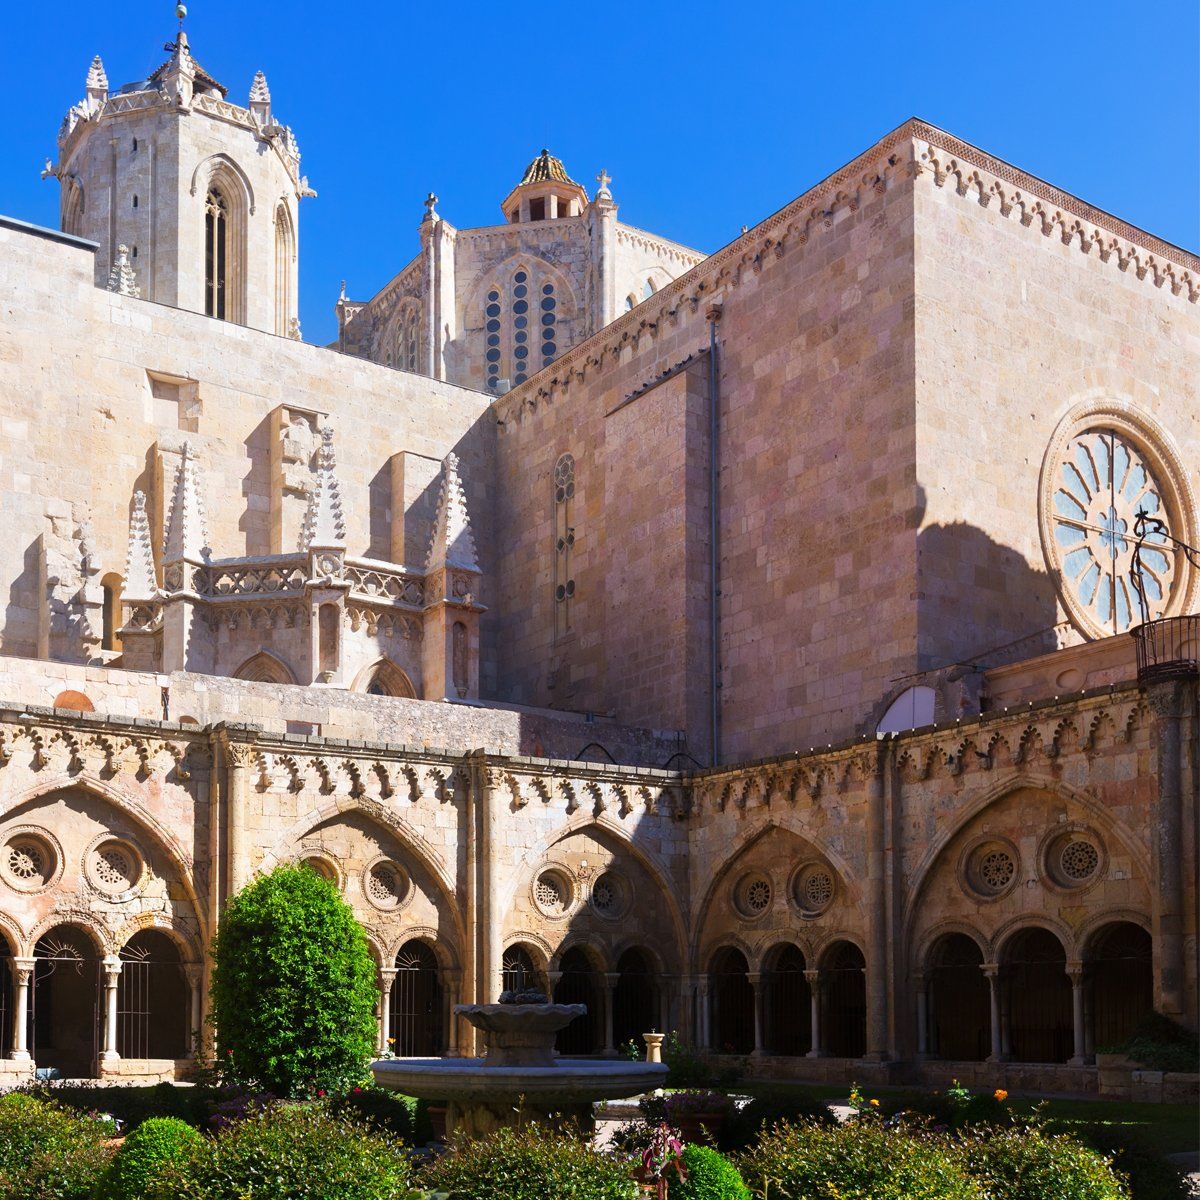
(203, 193)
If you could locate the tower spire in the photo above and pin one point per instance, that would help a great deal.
(324, 524)
(187, 533)
(140, 583)
(453, 543)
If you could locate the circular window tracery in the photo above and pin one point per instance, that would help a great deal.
(114, 867)
(26, 861)
(30, 860)
(385, 883)
(753, 896)
(996, 870)
(1102, 470)
(608, 895)
(1079, 860)
(990, 869)
(552, 893)
(813, 889)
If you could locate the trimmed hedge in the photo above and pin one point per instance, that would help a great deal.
(297, 1151)
(710, 1176)
(48, 1152)
(294, 988)
(155, 1145)
(532, 1163)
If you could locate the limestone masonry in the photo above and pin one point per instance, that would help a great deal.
(794, 647)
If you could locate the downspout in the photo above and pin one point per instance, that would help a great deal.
(714, 534)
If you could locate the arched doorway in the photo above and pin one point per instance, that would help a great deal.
(66, 1002)
(844, 1001)
(1120, 980)
(958, 1004)
(579, 984)
(7, 997)
(1037, 994)
(518, 973)
(153, 999)
(635, 999)
(787, 1007)
(415, 1017)
(732, 999)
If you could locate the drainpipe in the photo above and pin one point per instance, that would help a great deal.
(714, 527)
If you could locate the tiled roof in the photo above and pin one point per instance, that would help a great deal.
(545, 169)
(204, 80)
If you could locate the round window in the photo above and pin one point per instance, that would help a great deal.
(28, 862)
(1079, 860)
(991, 869)
(114, 867)
(1110, 505)
(607, 894)
(386, 884)
(813, 889)
(552, 893)
(753, 896)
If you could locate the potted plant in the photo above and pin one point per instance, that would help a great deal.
(699, 1115)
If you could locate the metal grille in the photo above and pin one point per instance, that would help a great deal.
(579, 984)
(635, 999)
(518, 973)
(732, 1000)
(844, 1007)
(788, 1006)
(959, 1003)
(415, 1017)
(152, 1000)
(1039, 999)
(1121, 979)
(7, 991)
(65, 1004)
(1168, 649)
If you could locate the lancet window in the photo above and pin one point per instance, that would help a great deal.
(564, 543)
(216, 254)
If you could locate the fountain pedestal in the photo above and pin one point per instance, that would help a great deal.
(520, 1077)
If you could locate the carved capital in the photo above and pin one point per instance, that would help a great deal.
(1168, 699)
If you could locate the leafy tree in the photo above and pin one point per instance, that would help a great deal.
(294, 987)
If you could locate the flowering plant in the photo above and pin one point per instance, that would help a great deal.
(707, 1103)
(663, 1154)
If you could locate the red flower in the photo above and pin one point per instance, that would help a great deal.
(320, 1091)
(358, 1091)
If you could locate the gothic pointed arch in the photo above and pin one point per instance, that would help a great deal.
(384, 678)
(285, 270)
(264, 667)
(226, 203)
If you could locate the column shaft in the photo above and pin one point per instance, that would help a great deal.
(814, 1003)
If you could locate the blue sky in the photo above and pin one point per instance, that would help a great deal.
(708, 116)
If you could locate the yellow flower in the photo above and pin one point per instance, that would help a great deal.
(1000, 1094)
(874, 1103)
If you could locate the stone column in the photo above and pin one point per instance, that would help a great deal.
(1168, 700)
(611, 979)
(922, 1017)
(23, 973)
(112, 977)
(703, 1033)
(814, 1001)
(194, 974)
(1075, 974)
(992, 973)
(756, 988)
(877, 907)
(453, 982)
(387, 981)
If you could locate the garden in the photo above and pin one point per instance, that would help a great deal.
(287, 1112)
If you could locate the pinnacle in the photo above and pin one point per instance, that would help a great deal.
(140, 583)
(121, 278)
(97, 80)
(453, 543)
(259, 92)
(324, 523)
(187, 534)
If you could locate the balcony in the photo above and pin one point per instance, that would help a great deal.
(1168, 648)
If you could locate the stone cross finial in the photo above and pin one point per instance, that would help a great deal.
(140, 583)
(324, 523)
(603, 179)
(121, 279)
(187, 531)
(453, 543)
(431, 207)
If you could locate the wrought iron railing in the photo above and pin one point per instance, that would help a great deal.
(1168, 648)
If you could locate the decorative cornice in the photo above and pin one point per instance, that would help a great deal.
(910, 151)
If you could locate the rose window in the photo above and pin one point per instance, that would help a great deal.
(604, 895)
(113, 868)
(757, 896)
(385, 885)
(996, 870)
(551, 893)
(1079, 860)
(1101, 483)
(25, 861)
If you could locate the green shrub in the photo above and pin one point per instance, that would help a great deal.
(48, 1152)
(1135, 1158)
(765, 1111)
(685, 1067)
(297, 1151)
(388, 1111)
(861, 1160)
(532, 1163)
(710, 1176)
(1031, 1164)
(131, 1105)
(154, 1145)
(1161, 1045)
(294, 987)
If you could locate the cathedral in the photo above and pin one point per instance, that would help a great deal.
(794, 647)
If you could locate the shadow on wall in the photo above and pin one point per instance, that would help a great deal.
(978, 599)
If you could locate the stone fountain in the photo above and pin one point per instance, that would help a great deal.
(520, 1077)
